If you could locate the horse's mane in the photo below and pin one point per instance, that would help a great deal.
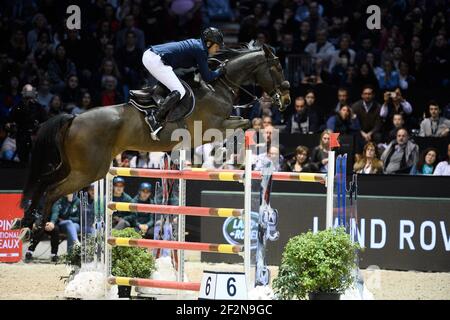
(229, 53)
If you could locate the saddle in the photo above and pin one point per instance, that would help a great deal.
(149, 100)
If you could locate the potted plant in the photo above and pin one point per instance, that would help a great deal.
(317, 264)
(130, 261)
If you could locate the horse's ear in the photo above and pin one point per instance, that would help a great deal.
(267, 50)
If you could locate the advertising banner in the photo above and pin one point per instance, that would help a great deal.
(10, 246)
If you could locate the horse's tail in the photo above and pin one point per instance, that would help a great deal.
(48, 161)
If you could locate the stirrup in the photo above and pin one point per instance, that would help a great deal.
(154, 134)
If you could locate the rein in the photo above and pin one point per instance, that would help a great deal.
(229, 83)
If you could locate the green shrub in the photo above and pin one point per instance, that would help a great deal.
(320, 262)
(131, 261)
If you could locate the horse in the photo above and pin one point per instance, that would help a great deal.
(71, 152)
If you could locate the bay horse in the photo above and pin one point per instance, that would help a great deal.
(71, 152)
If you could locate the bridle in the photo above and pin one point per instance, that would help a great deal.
(275, 94)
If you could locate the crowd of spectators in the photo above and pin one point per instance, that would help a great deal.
(349, 79)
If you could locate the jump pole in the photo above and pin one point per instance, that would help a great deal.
(330, 189)
(248, 208)
(108, 227)
(181, 218)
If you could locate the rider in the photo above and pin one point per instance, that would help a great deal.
(160, 59)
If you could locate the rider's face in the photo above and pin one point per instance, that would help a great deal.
(213, 49)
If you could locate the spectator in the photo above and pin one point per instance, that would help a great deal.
(369, 162)
(8, 150)
(266, 121)
(314, 17)
(443, 167)
(300, 162)
(11, 97)
(110, 96)
(388, 51)
(405, 80)
(129, 26)
(257, 124)
(304, 36)
(364, 76)
(319, 155)
(108, 68)
(272, 155)
(44, 95)
(141, 160)
(321, 49)
(59, 69)
(304, 120)
(426, 164)
(276, 33)
(40, 26)
(26, 116)
(435, 125)
(344, 122)
(366, 48)
(400, 155)
(66, 216)
(253, 22)
(51, 230)
(84, 104)
(419, 70)
(343, 99)
(41, 51)
(109, 16)
(368, 113)
(121, 219)
(395, 103)
(144, 222)
(286, 48)
(71, 93)
(18, 46)
(55, 106)
(397, 56)
(387, 77)
(130, 61)
(390, 131)
(415, 45)
(439, 60)
(344, 48)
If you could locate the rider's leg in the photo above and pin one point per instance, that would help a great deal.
(162, 72)
(167, 77)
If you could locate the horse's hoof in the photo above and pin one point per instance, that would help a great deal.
(16, 224)
(25, 235)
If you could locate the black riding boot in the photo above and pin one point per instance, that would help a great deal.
(155, 119)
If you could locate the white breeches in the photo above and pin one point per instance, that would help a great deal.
(162, 72)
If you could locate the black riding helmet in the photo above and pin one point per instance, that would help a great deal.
(213, 35)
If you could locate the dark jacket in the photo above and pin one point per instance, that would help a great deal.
(317, 155)
(129, 216)
(187, 54)
(337, 124)
(371, 120)
(307, 114)
(65, 210)
(142, 217)
(307, 167)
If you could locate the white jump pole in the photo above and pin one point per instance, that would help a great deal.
(247, 212)
(330, 189)
(108, 227)
(181, 218)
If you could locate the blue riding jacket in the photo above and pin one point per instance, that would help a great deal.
(186, 54)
